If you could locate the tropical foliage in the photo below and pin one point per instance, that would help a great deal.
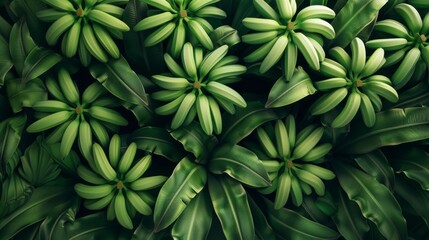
(214, 119)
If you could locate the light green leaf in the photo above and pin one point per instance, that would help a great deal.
(196, 219)
(239, 163)
(284, 93)
(393, 127)
(244, 121)
(232, 208)
(158, 141)
(186, 181)
(375, 164)
(349, 220)
(120, 80)
(352, 19)
(376, 202)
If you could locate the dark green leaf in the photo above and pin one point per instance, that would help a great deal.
(244, 121)
(186, 181)
(376, 202)
(158, 141)
(68, 164)
(119, 79)
(415, 96)
(149, 60)
(196, 219)
(319, 2)
(375, 164)
(143, 113)
(22, 94)
(94, 226)
(312, 211)
(37, 165)
(37, 208)
(288, 224)
(353, 18)
(393, 127)
(5, 27)
(20, 44)
(39, 61)
(285, 92)
(30, 8)
(53, 226)
(194, 140)
(263, 230)
(413, 162)
(15, 192)
(146, 231)
(232, 208)
(5, 60)
(415, 196)
(348, 218)
(10, 136)
(239, 163)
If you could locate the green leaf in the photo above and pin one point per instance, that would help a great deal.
(20, 44)
(37, 165)
(349, 220)
(22, 94)
(413, 162)
(39, 61)
(289, 224)
(230, 203)
(319, 2)
(14, 193)
(196, 219)
(263, 230)
(37, 208)
(53, 226)
(149, 60)
(119, 79)
(146, 231)
(285, 92)
(93, 226)
(376, 202)
(186, 181)
(5, 27)
(194, 140)
(29, 9)
(414, 195)
(239, 163)
(68, 164)
(415, 96)
(393, 127)
(10, 136)
(244, 121)
(158, 141)
(352, 19)
(6, 63)
(375, 164)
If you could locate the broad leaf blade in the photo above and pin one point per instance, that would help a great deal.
(6, 63)
(196, 219)
(376, 202)
(285, 92)
(263, 230)
(93, 226)
(232, 208)
(289, 224)
(39, 61)
(393, 127)
(239, 163)
(37, 208)
(15, 192)
(348, 218)
(119, 79)
(146, 231)
(186, 181)
(158, 141)
(194, 140)
(20, 44)
(22, 94)
(413, 162)
(376, 165)
(353, 18)
(10, 136)
(244, 121)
